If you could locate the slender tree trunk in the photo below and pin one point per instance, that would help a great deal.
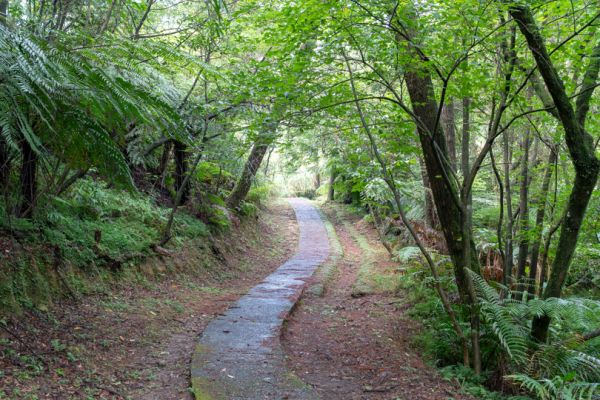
(331, 191)
(545, 255)
(28, 180)
(539, 217)
(581, 151)
(508, 259)
(466, 133)
(500, 224)
(107, 18)
(180, 155)
(445, 191)
(465, 164)
(431, 218)
(524, 210)
(242, 186)
(448, 117)
(392, 186)
(268, 162)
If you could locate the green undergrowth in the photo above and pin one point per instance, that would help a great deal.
(474, 385)
(436, 338)
(370, 278)
(91, 239)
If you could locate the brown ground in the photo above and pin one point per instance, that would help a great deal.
(352, 348)
(137, 342)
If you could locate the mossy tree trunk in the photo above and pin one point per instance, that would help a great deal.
(244, 182)
(508, 250)
(181, 167)
(540, 215)
(431, 218)
(581, 151)
(331, 191)
(523, 210)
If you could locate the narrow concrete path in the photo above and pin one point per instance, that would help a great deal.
(239, 354)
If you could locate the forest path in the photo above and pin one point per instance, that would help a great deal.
(239, 354)
(350, 337)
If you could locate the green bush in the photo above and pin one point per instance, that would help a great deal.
(259, 193)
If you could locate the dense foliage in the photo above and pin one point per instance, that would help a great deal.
(467, 129)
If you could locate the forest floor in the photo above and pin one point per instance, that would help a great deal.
(349, 337)
(136, 343)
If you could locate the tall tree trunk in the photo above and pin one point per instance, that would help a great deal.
(539, 217)
(180, 155)
(524, 210)
(581, 151)
(331, 191)
(546, 253)
(448, 116)
(388, 178)
(445, 192)
(466, 135)
(508, 259)
(431, 218)
(465, 164)
(242, 186)
(28, 180)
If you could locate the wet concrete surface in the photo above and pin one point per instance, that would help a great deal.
(239, 354)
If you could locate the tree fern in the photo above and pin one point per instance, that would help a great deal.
(75, 105)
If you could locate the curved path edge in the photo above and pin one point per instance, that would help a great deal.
(239, 354)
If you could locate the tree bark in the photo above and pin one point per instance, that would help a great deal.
(466, 133)
(242, 186)
(448, 116)
(508, 259)
(180, 155)
(581, 151)
(524, 211)
(28, 180)
(540, 215)
(466, 153)
(431, 218)
(331, 191)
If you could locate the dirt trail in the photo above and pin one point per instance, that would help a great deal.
(344, 340)
(136, 342)
(352, 347)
